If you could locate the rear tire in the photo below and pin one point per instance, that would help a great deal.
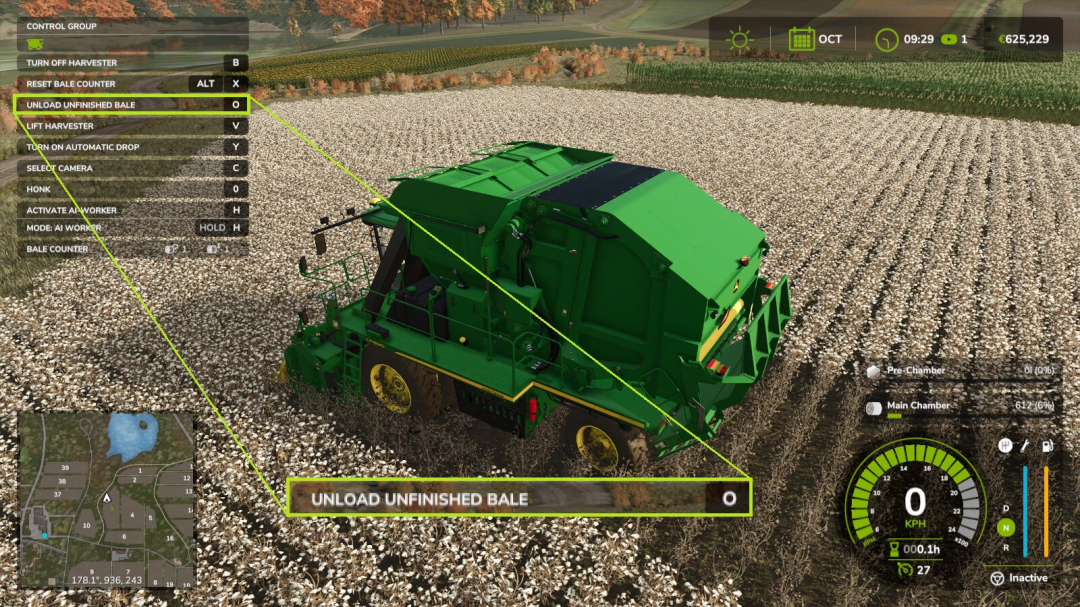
(605, 443)
(401, 385)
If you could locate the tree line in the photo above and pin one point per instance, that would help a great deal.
(359, 13)
(429, 12)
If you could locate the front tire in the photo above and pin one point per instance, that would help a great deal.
(401, 385)
(603, 442)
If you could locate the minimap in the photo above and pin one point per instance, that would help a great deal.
(106, 500)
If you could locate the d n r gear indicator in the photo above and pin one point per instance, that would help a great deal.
(915, 506)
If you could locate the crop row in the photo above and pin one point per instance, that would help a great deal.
(361, 65)
(921, 234)
(306, 58)
(1031, 91)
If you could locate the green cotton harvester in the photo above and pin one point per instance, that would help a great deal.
(541, 276)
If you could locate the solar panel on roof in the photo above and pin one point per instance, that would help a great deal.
(600, 185)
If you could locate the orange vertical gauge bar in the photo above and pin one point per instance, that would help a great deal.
(1046, 512)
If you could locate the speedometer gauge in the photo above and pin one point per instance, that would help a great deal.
(915, 505)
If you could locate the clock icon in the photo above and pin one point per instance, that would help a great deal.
(886, 40)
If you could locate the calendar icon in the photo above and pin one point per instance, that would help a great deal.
(802, 39)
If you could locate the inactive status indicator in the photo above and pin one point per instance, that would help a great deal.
(913, 507)
(1027, 515)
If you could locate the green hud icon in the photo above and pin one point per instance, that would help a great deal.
(894, 550)
(34, 44)
(801, 39)
(739, 40)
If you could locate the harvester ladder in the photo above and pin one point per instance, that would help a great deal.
(352, 373)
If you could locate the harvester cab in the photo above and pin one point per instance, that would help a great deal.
(538, 276)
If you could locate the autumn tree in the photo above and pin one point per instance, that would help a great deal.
(297, 8)
(294, 32)
(232, 7)
(146, 9)
(106, 10)
(103, 10)
(44, 8)
(481, 11)
(221, 7)
(463, 8)
(585, 4)
(397, 12)
(535, 7)
(225, 7)
(360, 13)
(422, 12)
(563, 6)
(442, 11)
(8, 124)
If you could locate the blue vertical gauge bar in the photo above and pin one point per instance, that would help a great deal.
(1025, 511)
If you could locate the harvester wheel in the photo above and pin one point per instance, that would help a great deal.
(400, 384)
(603, 442)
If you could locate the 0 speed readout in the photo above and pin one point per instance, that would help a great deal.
(914, 505)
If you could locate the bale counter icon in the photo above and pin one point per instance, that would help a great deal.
(636, 266)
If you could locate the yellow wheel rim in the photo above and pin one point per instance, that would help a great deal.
(597, 448)
(282, 376)
(390, 388)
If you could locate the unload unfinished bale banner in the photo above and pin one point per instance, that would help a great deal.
(509, 497)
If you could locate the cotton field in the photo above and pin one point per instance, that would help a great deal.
(902, 232)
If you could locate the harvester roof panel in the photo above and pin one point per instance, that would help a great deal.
(517, 170)
(600, 185)
(702, 239)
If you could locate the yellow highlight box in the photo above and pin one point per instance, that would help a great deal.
(170, 112)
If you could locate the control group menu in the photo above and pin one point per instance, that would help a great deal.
(123, 147)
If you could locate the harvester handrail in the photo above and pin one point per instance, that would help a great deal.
(311, 275)
(660, 372)
(502, 147)
(332, 263)
(515, 361)
(557, 363)
(401, 176)
(432, 315)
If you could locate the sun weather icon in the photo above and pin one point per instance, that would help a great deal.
(739, 39)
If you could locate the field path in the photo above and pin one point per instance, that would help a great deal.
(599, 25)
